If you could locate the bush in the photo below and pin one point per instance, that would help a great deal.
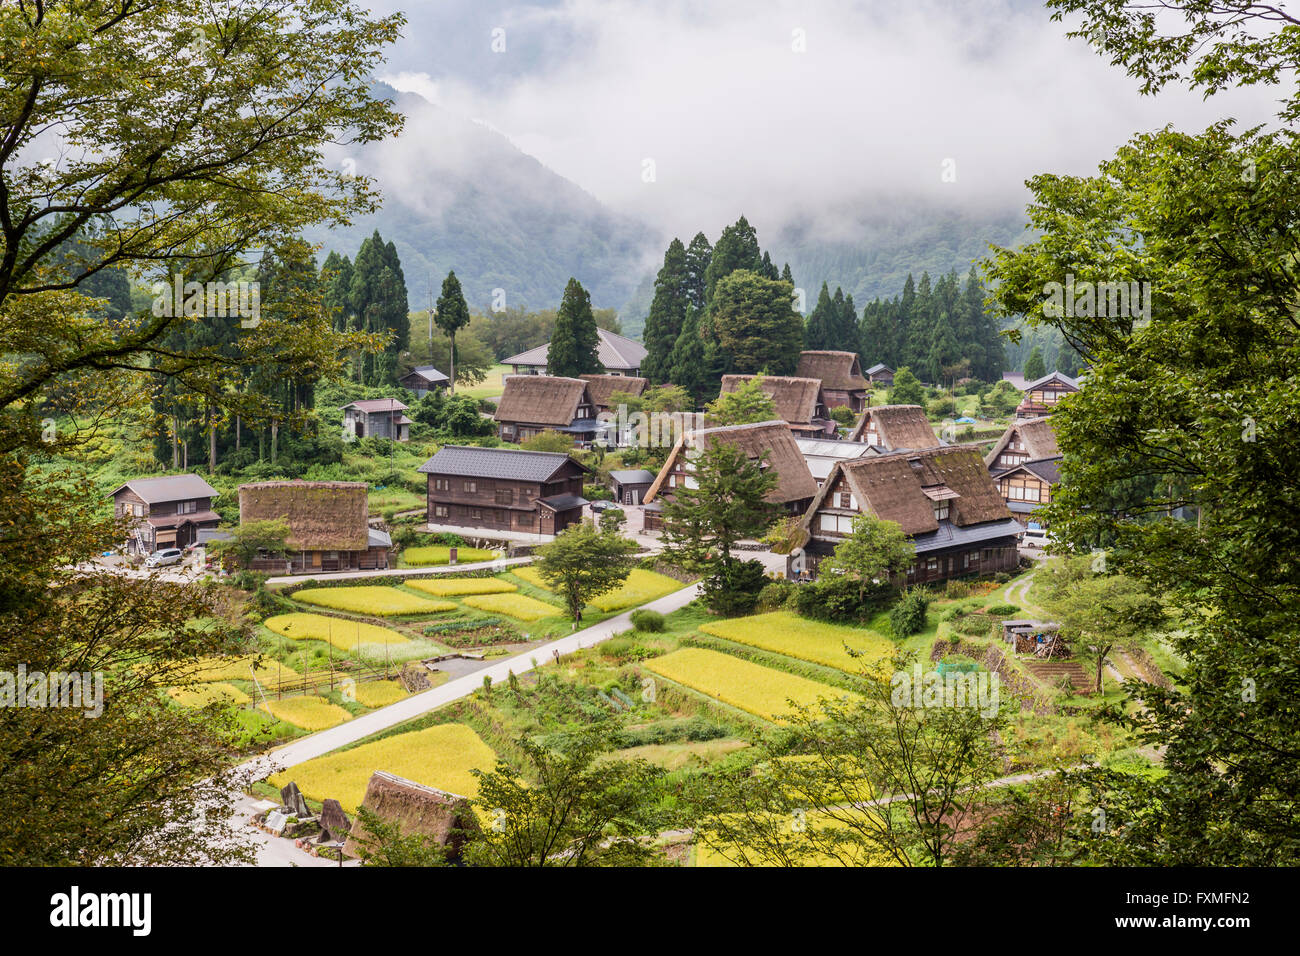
(733, 586)
(776, 595)
(843, 415)
(651, 622)
(941, 407)
(1002, 577)
(908, 615)
(835, 597)
(1003, 610)
(597, 493)
(957, 589)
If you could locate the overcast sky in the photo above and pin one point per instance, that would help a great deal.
(785, 109)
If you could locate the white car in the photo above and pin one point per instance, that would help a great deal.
(1034, 538)
(163, 557)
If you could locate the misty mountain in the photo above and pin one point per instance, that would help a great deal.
(458, 195)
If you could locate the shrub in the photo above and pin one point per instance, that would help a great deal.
(597, 493)
(957, 589)
(776, 595)
(1002, 577)
(733, 586)
(908, 615)
(651, 622)
(940, 407)
(836, 597)
(1003, 610)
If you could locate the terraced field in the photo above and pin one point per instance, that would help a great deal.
(817, 641)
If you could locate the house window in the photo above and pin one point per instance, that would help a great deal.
(846, 499)
(440, 511)
(475, 514)
(940, 510)
(471, 486)
(526, 520)
(505, 496)
(441, 484)
(137, 510)
(932, 564)
(186, 507)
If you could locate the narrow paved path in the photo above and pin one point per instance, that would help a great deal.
(325, 741)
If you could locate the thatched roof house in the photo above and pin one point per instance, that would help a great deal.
(895, 427)
(329, 527)
(840, 374)
(535, 403)
(417, 810)
(600, 388)
(1028, 440)
(798, 401)
(769, 441)
(944, 499)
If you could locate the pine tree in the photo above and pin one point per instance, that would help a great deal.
(816, 332)
(769, 267)
(756, 324)
(336, 281)
(574, 343)
(451, 315)
(667, 312)
(698, 256)
(737, 248)
(1034, 366)
(786, 274)
(686, 363)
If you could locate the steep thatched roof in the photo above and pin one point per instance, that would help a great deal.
(771, 439)
(1037, 434)
(903, 487)
(416, 809)
(839, 370)
(899, 426)
(541, 399)
(601, 387)
(796, 399)
(322, 515)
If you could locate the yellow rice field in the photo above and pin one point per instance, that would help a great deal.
(429, 555)
(451, 587)
(379, 693)
(376, 600)
(440, 756)
(309, 713)
(208, 669)
(205, 694)
(641, 586)
(344, 635)
(519, 606)
(751, 687)
(787, 633)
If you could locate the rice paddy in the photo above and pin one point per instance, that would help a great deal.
(787, 633)
(454, 587)
(378, 693)
(519, 606)
(759, 690)
(376, 600)
(441, 756)
(209, 669)
(345, 635)
(309, 713)
(434, 554)
(205, 694)
(641, 586)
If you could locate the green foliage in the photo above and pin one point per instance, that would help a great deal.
(549, 440)
(727, 504)
(844, 416)
(908, 616)
(451, 416)
(250, 537)
(840, 598)
(732, 586)
(1034, 367)
(582, 563)
(907, 389)
(646, 620)
(746, 405)
(776, 595)
(382, 843)
(756, 325)
(574, 341)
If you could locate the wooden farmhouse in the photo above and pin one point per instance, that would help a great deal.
(602, 388)
(840, 373)
(532, 404)
(944, 500)
(880, 373)
(164, 512)
(798, 401)
(504, 489)
(329, 528)
(1026, 464)
(767, 442)
(618, 355)
(1042, 395)
(376, 418)
(424, 379)
(894, 428)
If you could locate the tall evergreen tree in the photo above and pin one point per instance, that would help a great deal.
(816, 333)
(377, 296)
(698, 256)
(574, 343)
(686, 364)
(756, 324)
(1035, 368)
(737, 248)
(451, 315)
(336, 286)
(667, 312)
(786, 274)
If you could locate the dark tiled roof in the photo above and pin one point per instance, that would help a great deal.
(632, 476)
(428, 373)
(948, 535)
(1052, 377)
(504, 463)
(1048, 469)
(168, 488)
(562, 502)
(370, 405)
